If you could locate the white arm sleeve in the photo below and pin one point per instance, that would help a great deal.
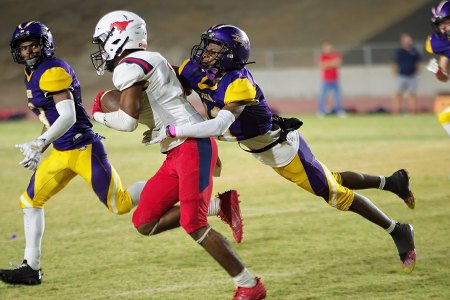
(214, 127)
(67, 117)
(118, 120)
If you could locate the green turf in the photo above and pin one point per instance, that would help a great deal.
(301, 248)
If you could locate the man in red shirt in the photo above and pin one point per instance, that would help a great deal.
(330, 61)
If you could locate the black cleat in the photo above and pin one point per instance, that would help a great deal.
(398, 183)
(403, 236)
(22, 274)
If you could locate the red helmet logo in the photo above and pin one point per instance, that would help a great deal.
(121, 26)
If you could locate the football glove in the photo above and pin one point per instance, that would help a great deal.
(97, 106)
(32, 151)
(32, 161)
(433, 66)
(153, 136)
(36, 145)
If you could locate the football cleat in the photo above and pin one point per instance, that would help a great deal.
(230, 213)
(257, 292)
(22, 274)
(398, 183)
(404, 240)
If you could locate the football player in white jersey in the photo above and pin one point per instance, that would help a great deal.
(186, 174)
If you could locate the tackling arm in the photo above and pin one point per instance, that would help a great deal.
(214, 127)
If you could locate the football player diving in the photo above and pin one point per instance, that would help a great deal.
(238, 111)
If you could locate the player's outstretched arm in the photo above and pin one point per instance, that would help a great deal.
(214, 127)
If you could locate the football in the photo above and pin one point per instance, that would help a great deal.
(110, 101)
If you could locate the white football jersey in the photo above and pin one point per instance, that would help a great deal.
(164, 91)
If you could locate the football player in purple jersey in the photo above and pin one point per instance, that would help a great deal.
(54, 96)
(439, 43)
(238, 111)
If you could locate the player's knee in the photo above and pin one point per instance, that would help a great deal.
(341, 200)
(200, 234)
(148, 228)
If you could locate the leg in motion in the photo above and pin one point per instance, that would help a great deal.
(29, 272)
(402, 234)
(247, 286)
(397, 183)
(226, 207)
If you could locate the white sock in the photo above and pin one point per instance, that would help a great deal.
(33, 226)
(135, 191)
(391, 227)
(245, 279)
(214, 207)
(382, 182)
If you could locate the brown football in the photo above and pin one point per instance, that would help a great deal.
(110, 101)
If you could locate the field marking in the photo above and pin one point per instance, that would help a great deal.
(175, 287)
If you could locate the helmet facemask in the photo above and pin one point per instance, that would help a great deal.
(33, 62)
(202, 55)
(231, 50)
(115, 32)
(101, 59)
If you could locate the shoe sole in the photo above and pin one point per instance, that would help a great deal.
(409, 200)
(25, 282)
(411, 258)
(411, 203)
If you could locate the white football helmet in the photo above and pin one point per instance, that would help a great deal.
(115, 32)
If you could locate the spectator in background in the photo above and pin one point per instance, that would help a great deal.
(406, 67)
(329, 62)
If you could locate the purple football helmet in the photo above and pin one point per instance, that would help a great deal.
(32, 30)
(235, 47)
(440, 13)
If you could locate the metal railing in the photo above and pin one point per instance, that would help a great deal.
(367, 54)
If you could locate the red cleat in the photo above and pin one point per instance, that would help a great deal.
(230, 213)
(257, 292)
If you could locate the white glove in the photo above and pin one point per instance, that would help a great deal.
(35, 145)
(153, 136)
(32, 161)
(32, 151)
(433, 66)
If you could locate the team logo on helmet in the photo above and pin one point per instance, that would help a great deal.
(121, 26)
(239, 38)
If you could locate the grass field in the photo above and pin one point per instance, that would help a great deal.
(301, 248)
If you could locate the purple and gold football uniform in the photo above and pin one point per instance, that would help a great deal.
(79, 151)
(253, 128)
(438, 43)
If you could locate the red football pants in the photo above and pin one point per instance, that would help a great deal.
(185, 176)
